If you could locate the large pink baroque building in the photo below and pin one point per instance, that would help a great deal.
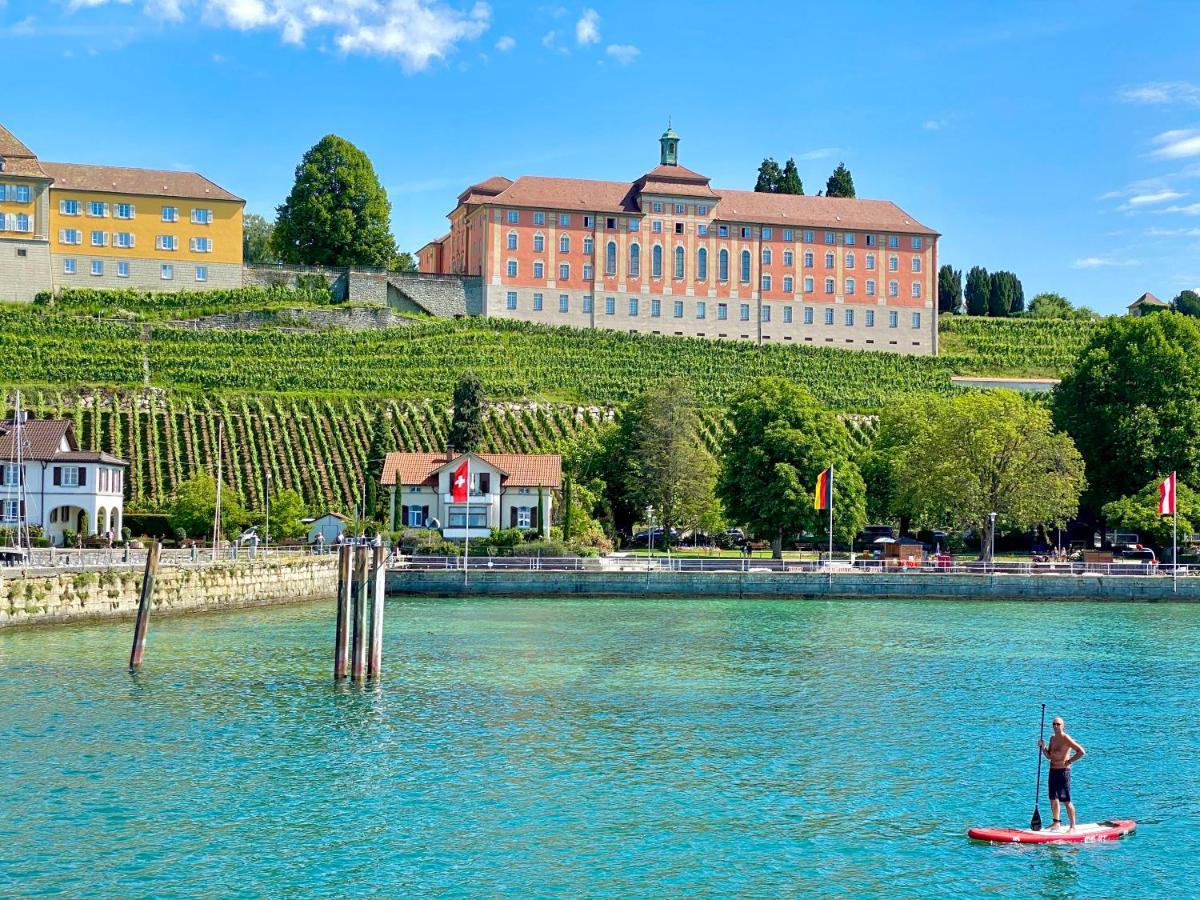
(669, 254)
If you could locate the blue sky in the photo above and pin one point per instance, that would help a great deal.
(1060, 141)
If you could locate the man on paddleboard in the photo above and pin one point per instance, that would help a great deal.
(1063, 752)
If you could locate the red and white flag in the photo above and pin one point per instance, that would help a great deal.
(1166, 496)
(459, 481)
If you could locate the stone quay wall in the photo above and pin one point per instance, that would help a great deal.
(37, 598)
(791, 586)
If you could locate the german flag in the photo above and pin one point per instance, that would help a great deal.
(823, 495)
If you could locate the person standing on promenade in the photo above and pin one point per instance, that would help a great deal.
(1063, 752)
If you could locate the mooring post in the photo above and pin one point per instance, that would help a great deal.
(378, 585)
(341, 635)
(358, 663)
(143, 614)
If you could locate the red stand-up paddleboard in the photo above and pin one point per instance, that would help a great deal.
(1083, 834)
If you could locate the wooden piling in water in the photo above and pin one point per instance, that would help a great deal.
(143, 614)
(358, 665)
(341, 635)
(378, 585)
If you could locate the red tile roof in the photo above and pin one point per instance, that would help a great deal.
(821, 212)
(144, 182)
(569, 193)
(43, 438)
(18, 158)
(478, 193)
(1149, 300)
(518, 469)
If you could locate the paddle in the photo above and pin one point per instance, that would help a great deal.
(1035, 824)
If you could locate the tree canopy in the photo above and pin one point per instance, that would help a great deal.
(466, 424)
(978, 291)
(985, 452)
(1005, 295)
(193, 507)
(1188, 303)
(1139, 513)
(383, 442)
(258, 237)
(840, 183)
(781, 439)
(337, 213)
(950, 294)
(287, 513)
(1132, 403)
(774, 180)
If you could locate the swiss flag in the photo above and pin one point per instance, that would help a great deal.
(459, 481)
(1166, 496)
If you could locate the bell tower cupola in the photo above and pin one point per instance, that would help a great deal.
(669, 142)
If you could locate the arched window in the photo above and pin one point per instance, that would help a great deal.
(564, 243)
(702, 264)
(610, 258)
(635, 260)
(512, 240)
(539, 243)
(829, 260)
(656, 261)
(679, 254)
(850, 259)
(745, 267)
(723, 265)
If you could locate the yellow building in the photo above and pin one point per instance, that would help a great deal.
(75, 225)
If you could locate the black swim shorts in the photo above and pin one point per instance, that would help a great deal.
(1060, 784)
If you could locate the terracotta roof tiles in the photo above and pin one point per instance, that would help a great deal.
(520, 470)
(18, 158)
(143, 182)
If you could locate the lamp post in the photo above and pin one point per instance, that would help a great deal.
(267, 526)
(992, 536)
(649, 534)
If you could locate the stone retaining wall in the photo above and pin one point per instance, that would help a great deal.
(737, 585)
(113, 593)
(355, 318)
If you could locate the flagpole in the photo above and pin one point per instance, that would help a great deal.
(1175, 532)
(831, 521)
(467, 533)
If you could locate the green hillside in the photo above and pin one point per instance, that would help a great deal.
(1015, 347)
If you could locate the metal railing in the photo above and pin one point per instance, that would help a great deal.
(60, 559)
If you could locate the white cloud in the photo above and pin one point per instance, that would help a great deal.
(548, 40)
(1191, 209)
(935, 124)
(587, 29)
(1173, 232)
(1096, 262)
(819, 153)
(1150, 199)
(505, 43)
(88, 4)
(1178, 144)
(623, 53)
(415, 32)
(1162, 93)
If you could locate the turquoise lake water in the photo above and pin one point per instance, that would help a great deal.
(600, 747)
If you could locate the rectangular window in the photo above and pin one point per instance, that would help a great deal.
(97, 267)
(766, 284)
(200, 245)
(808, 237)
(634, 224)
(787, 284)
(539, 272)
(893, 289)
(893, 242)
(916, 290)
(679, 228)
(744, 312)
(848, 316)
(722, 231)
(123, 270)
(829, 237)
(850, 285)
(787, 315)
(701, 309)
(170, 214)
(201, 273)
(633, 306)
(99, 239)
(848, 239)
(588, 303)
(510, 301)
(746, 232)
(701, 210)
(123, 210)
(511, 268)
(564, 272)
(564, 304)
(11, 509)
(656, 226)
(870, 287)
(893, 319)
(808, 284)
(702, 230)
(679, 309)
(588, 221)
(459, 514)
(808, 259)
(587, 245)
(655, 307)
(870, 240)
(680, 209)
(68, 207)
(656, 206)
(893, 263)
(610, 307)
(787, 234)
(21, 193)
(829, 285)
(512, 240)
(564, 219)
(787, 257)
(766, 256)
(610, 223)
(916, 264)
(870, 318)
(539, 243)
(96, 209)
(916, 243)
(537, 302)
(539, 218)
(849, 260)
(765, 313)
(916, 320)
(166, 242)
(870, 262)
(829, 315)
(123, 239)
(69, 269)
(202, 216)
(167, 272)
(767, 232)
(8, 475)
(514, 217)
(523, 517)
(70, 476)
(722, 311)
(808, 320)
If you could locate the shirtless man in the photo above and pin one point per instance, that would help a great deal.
(1062, 752)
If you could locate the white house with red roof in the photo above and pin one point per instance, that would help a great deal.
(505, 490)
(669, 254)
(57, 486)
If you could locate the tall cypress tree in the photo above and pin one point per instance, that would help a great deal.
(466, 425)
(840, 183)
(789, 182)
(978, 291)
(949, 289)
(1004, 294)
(383, 442)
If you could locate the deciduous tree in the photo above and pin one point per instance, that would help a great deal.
(769, 177)
(337, 213)
(258, 240)
(986, 452)
(466, 424)
(1132, 403)
(781, 439)
(193, 506)
(1139, 513)
(1188, 303)
(840, 183)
